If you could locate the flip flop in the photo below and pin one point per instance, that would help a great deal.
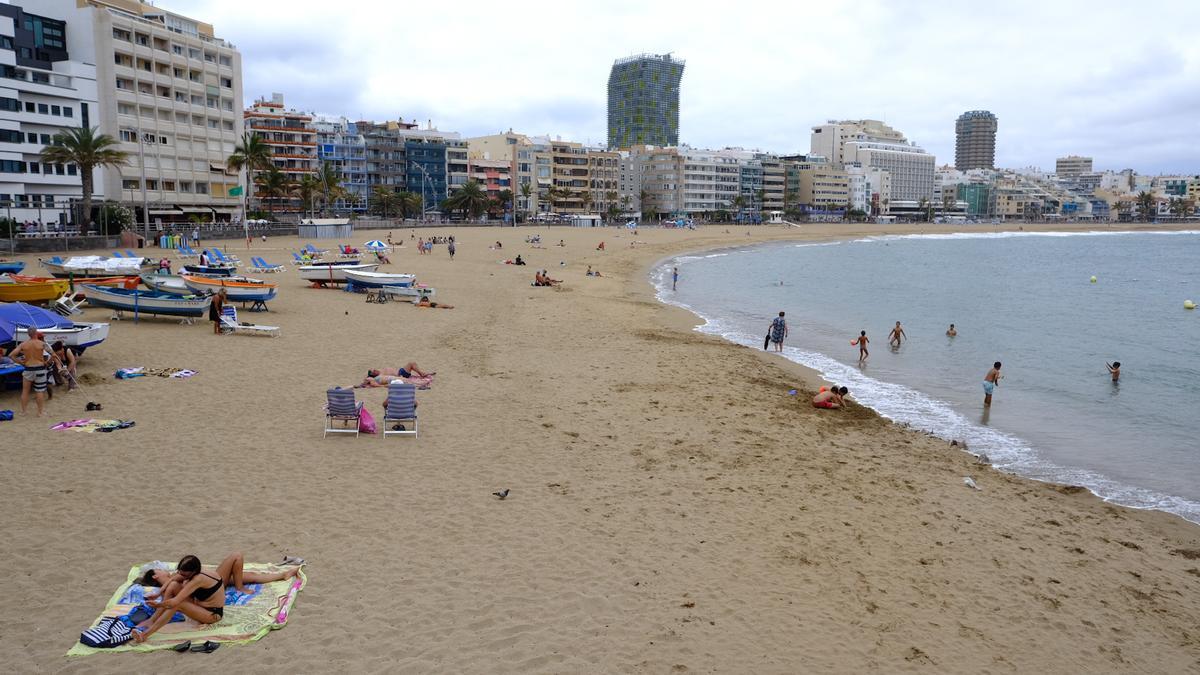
(182, 647)
(208, 647)
(292, 560)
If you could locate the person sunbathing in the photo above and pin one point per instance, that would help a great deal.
(235, 576)
(411, 368)
(548, 281)
(427, 303)
(199, 595)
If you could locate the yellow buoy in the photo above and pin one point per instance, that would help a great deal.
(1093, 280)
(1188, 304)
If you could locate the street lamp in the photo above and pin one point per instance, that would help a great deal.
(142, 169)
(424, 182)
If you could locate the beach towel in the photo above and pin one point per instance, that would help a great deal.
(247, 618)
(89, 426)
(142, 371)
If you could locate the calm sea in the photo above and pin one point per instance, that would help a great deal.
(1024, 299)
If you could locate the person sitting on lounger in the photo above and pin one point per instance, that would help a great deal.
(427, 303)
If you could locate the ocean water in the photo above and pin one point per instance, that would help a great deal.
(1024, 299)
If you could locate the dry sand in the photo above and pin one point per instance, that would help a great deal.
(672, 510)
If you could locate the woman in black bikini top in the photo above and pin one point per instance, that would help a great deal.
(197, 594)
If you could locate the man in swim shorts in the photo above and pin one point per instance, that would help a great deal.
(830, 398)
(989, 383)
(36, 376)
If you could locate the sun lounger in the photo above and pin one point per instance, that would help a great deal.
(229, 321)
(314, 251)
(131, 254)
(260, 265)
(401, 410)
(222, 258)
(340, 406)
(186, 251)
(117, 254)
(69, 304)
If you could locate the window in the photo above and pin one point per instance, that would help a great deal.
(128, 136)
(151, 184)
(211, 57)
(29, 106)
(31, 137)
(201, 188)
(11, 136)
(41, 78)
(227, 125)
(43, 109)
(68, 111)
(33, 167)
(178, 72)
(71, 170)
(120, 34)
(212, 124)
(193, 53)
(6, 42)
(124, 84)
(177, 49)
(10, 104)
(56, 110)
(59, 170)
(227, 82)
(142, 39)
(185, 186)
(169, 185)
(45, 139)
(226, 61)
(130, 184)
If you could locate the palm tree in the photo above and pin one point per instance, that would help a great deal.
(625, 200)
(408, 203)
(923, 207)
(586, 198)
(613, 211)
(308, 188)
(276, 185)
(526, 191)
(739, 203)
(643, 195)
(471, 199)
(1145, 202)
(384, 199)
(251, 154)
(506, 202)
(551, 193)
(329, 179)
(1180, 207)
(87, 150)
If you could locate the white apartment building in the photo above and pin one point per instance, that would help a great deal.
(171, 92)
(872, 144)
(48, 84)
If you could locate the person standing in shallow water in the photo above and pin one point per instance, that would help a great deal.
(990, 381)
(674, 278)
(779, 331)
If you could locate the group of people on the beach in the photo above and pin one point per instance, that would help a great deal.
(410, 373)
(197, 593)
(778, 331)
(45, 365)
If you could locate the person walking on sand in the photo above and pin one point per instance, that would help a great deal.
(674, 278)
(861, 341)
(896, 335)
(779, 331)
(214, 311)
(1114, 369)
(950, 332)
(36, 376)
(990, 382)
(450, 248)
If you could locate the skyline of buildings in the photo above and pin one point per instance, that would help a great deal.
(171, 92)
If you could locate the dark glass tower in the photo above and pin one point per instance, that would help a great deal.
(643, 101)
(975, 140)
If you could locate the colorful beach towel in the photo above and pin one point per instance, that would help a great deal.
(89, 426)
(248, 617)
(142, 371)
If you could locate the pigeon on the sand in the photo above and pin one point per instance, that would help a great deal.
(501, 493)
(970, 482)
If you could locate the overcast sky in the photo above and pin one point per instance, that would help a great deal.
(1118, 81)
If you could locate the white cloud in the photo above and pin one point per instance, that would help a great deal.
(1102, 78)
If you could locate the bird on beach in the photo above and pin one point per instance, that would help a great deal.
(984, 459)
(501, 493)
(970, 482)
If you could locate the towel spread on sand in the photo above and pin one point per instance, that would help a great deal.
(141, 371)
(89, 426)
(248, 618)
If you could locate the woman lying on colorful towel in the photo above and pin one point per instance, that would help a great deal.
(197, 594)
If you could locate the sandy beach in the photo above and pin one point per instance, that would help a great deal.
(672, 509)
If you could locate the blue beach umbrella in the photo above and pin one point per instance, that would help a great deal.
(375, 245)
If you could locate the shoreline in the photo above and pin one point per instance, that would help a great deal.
(670, 510)
(814, 376)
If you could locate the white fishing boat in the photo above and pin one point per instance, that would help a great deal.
(365, 279)
(167, 283)
(334, 273)
(80, 335)
(147, 302)
(97, 266)
(413, 291)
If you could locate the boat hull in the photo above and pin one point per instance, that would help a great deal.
(211, 270)
(11, 266)
(61, 270)
(236, 290)
(379, 279)
(167, 283)
(32, 289)
(333, 274)
(81, 335)
(147, 302)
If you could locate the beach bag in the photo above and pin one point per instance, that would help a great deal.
(366, 423)
(114, 631)
(767, 340)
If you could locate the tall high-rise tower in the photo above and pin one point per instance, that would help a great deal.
(975, 140)
(643, 101)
